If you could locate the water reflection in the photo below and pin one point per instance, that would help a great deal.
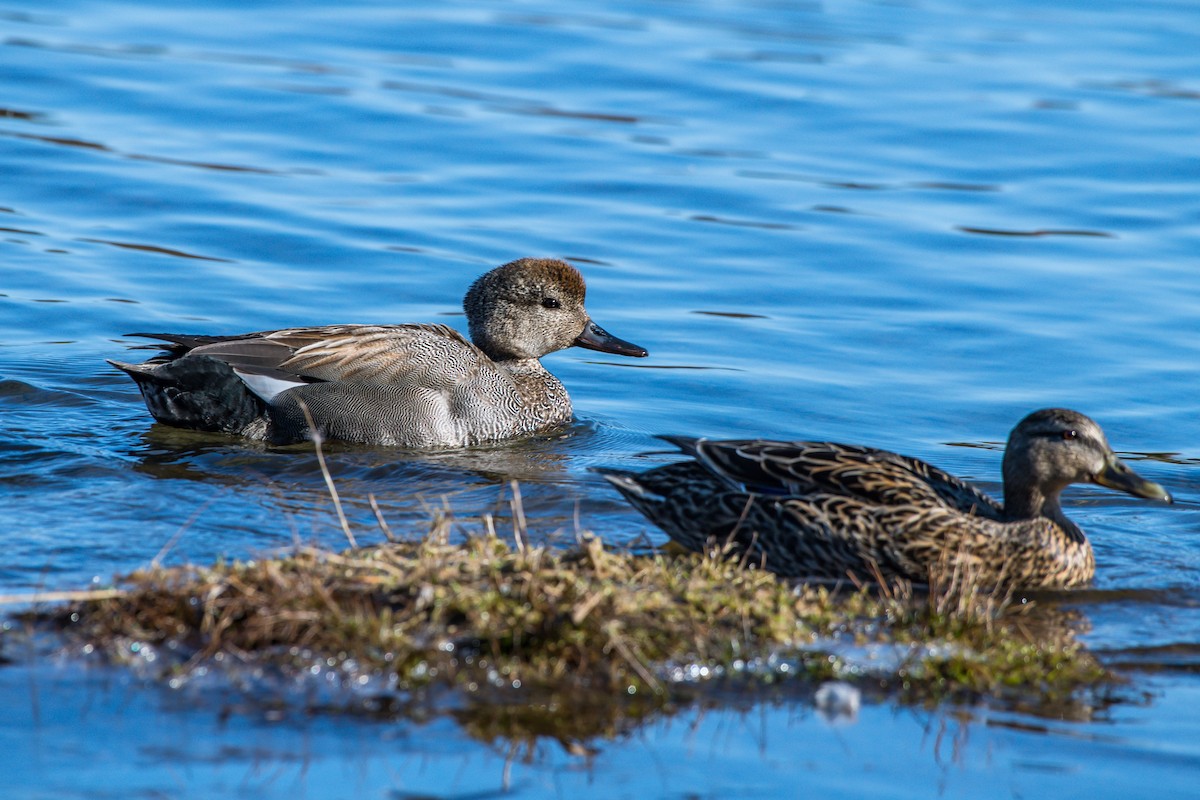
(170, 453)
(177, 162)
(166, 251)
(576, 718)
(517, 105)
(407, 489)
(93, 729)
(1034, 233)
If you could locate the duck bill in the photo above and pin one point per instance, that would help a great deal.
(1117, 475)
(596, 338)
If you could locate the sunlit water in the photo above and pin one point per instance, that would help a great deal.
(905, 224)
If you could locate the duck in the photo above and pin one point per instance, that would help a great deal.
(419, 386)
(832, 512)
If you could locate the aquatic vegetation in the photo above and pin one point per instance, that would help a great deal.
(543, 633)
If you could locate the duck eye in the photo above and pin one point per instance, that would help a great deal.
(1069, 435)
(551, 302)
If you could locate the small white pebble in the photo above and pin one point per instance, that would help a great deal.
(838, 700)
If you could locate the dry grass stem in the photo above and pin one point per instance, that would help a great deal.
(82, 595)
(383, 526)
(317, 439)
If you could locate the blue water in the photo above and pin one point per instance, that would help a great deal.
(173, 744)
(903, 224)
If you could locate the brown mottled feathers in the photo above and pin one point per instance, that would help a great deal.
(865, 473)
(833, 511)
(879, 529)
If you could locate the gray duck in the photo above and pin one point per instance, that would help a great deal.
(831, 511)
(416, 385)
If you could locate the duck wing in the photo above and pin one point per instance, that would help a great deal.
(869, 475)
(820, 535)
(370, 354)
(825, 535)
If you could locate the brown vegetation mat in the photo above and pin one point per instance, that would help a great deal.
(588, 623)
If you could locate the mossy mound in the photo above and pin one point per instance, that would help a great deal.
(588, 622)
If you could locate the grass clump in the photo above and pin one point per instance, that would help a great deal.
(480, 612)
(581, 625)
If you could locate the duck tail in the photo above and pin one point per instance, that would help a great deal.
(135, 371)
(197, 392)
(641, 495)
(688, 445)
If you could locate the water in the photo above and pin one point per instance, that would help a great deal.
(904, 224)
(160, 744)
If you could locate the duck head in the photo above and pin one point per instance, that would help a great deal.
(534, 306)
(1051, 449)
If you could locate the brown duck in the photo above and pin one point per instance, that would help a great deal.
(832, 511)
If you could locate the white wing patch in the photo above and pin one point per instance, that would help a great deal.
(266, 386)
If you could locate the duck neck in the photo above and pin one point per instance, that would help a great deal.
(545, 397)
(1022, 502)
(522, 367)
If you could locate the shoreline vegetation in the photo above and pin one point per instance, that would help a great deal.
(578, 642)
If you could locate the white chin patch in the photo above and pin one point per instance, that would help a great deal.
(265, 386)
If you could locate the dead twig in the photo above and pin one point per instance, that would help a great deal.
(317, 438)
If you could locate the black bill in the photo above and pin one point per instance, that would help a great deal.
(596, 338)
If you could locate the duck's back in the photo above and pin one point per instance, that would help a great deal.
(832, 535)
(868, 475)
